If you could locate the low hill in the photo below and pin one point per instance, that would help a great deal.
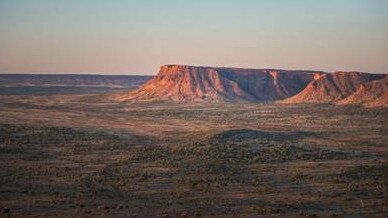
(332, 87)
(371, 94)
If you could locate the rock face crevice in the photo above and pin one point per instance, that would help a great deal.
(195, 83)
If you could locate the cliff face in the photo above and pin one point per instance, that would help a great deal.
(190, 83)
(334, 87)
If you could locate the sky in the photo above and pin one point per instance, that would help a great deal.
(138, 36)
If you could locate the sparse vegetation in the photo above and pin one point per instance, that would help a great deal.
(71, 156)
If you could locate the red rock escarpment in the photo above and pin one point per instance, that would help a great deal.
(191, 83)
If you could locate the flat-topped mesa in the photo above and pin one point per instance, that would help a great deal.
(194, 83)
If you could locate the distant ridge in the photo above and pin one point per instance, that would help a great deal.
(67, 83)
(214, 84)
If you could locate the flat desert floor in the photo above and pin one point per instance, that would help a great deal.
(81, 154)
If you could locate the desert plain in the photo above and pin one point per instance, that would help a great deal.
(85, 154)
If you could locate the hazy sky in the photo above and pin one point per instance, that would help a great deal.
(136, 37)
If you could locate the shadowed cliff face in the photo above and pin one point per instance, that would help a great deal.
(189, 83)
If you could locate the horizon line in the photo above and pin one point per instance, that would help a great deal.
(187, 65)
